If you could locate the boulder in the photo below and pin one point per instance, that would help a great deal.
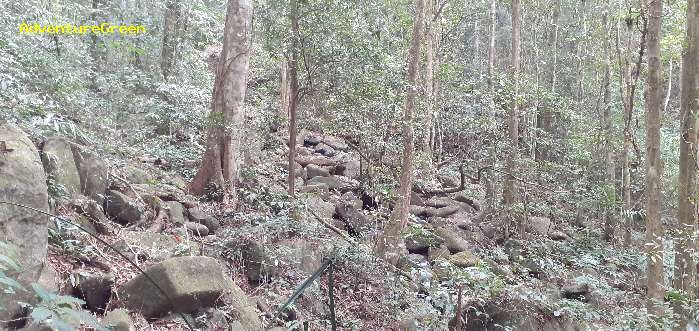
(325, 150)
(118, 320)
(191, 283)
(515, 314)
(576, 290)
(558, 235)
(122, 208)
(198, 215)
(350, 167)
(22, 180)
(313, 170)
(355, 220)
(331, 182)
(464, 259)
(312, 139)
(59, 163)
(336, 143)
(349, 198)
(419, 241)
(136, 175)
(434, 253)
(439, 202)
(323, 209)
(197, 229)
(175, 212)
(452, 240)
(241, 308)
(446, 211)
(94, 178)
(94, 289)
(320, 189)
(258, 263)
(416, 199)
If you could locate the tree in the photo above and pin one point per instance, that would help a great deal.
(170, 38)
(609, 185)
(685, 272)
(654, 227)
(490, 181)
(510, 186)
(219, 165)
(388, 245)
(293, 94)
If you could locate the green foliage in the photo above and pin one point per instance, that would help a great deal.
(60, 311)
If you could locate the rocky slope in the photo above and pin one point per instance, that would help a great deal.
(218, 268)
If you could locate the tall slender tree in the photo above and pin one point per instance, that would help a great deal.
(654, 227)
(293, 94)
(609, 172)
(685, 272)
(388, 245)
(171, 28)
(220, 163)
(510, 186)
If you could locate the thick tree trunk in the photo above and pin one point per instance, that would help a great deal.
(170, 37)
(654, 227)
(388, 245)
(293, 96)
(510, 185)
(685, 272)
(220, 163)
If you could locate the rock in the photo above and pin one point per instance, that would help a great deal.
(416, 199)
(191, 283)
(163, 191)
(352, 200)
(325, 150)
(453, 241)
(314, 159)
(539, 225)
(331, 182)
(355, 220)
(94, 289)
(446, 211)
(313, 170)
(302, 254)
(449, 181)
(22, 179)
(464, 259)
(197, 229)
(94, 178)
(175, 212)
(419, 241)
(241, 309)
(151, 246)
(439, 202)
(92, 213)
(200, 216)
(558, 235)
(576, 291)
(534, 269)
(118, 320)
(47, 278)
(350, 168)
(336, 143)
(312, 139)
(59, 163)
(323, 209)
(120, 207)
(464, 198)
(320, 189)
(259, 265)
(136, 175)
(434, 253)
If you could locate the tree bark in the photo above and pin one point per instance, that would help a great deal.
(388, 246)
(293, 95)
(510, 185)
(220, 163)
(654, 227)
(490, 178)
(610, 187)
(684, 279)
(546, 118)
(170, 38)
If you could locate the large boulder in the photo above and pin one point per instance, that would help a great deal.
(259, 265)
(336, 143)
(94, 289)
(175, 212)
(94, 178)
(22, 180)
(313, 170)
(59, 163)
(419, 241)
(454, 242)
(118, 320)
(122, 208)
(331, 182)
(199, 215)
(323, 209)
(191, 283)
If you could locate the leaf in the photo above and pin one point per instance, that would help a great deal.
(40, 314)
(42, 293)
(9, 281)
(4, 260)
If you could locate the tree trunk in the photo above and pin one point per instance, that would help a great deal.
(170, 37)
(685, 271)
(284, 96)
(654, 227)
(430, 63)
(546, 118)
(294, 95)
(388, 246)
(610, 187)
(510, 185)
(490, 180)
(219, 165)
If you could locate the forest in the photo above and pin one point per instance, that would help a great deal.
(349, 165)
